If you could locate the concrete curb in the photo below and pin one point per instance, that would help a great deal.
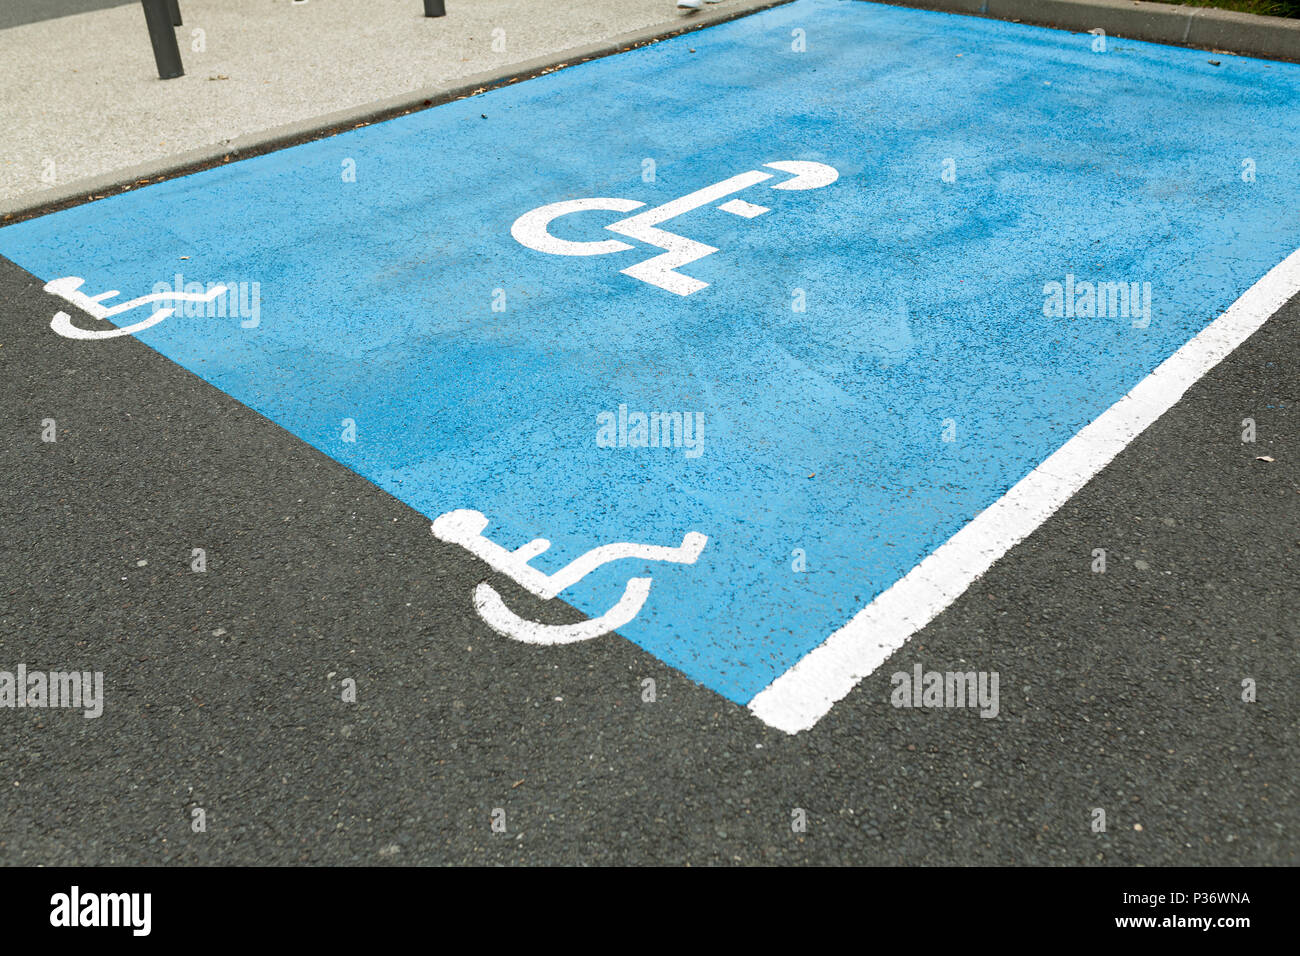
(1199, 27)
(18, 208)
(1204, 28)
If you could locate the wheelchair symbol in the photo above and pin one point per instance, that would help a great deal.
(69, 288)
(465, 528)
(532, 229)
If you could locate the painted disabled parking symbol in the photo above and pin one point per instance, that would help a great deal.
(69, 288)
(533, 228)
(465, 528)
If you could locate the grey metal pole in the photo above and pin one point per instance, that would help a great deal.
(435, 8)
(175, 7)
(163, 37)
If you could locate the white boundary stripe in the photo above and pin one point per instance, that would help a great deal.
(804, 694)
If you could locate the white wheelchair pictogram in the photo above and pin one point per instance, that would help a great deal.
(465, 528)
(69, 288)
(532, 229)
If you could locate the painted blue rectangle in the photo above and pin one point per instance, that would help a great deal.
(842, 337)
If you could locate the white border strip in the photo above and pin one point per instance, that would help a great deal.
(805, 693)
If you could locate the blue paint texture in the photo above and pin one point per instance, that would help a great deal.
(823, 428)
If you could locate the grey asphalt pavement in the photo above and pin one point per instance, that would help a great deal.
(224, 688)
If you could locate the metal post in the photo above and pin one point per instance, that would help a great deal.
(163, 37)
(435, 8)
(175, 7)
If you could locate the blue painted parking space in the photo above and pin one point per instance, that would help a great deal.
(716, 339)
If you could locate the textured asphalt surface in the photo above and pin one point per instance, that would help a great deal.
(1118, 690)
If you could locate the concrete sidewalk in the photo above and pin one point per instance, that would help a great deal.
(86, 112)
(85, 107)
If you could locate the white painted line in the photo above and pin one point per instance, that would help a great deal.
(805, 693)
